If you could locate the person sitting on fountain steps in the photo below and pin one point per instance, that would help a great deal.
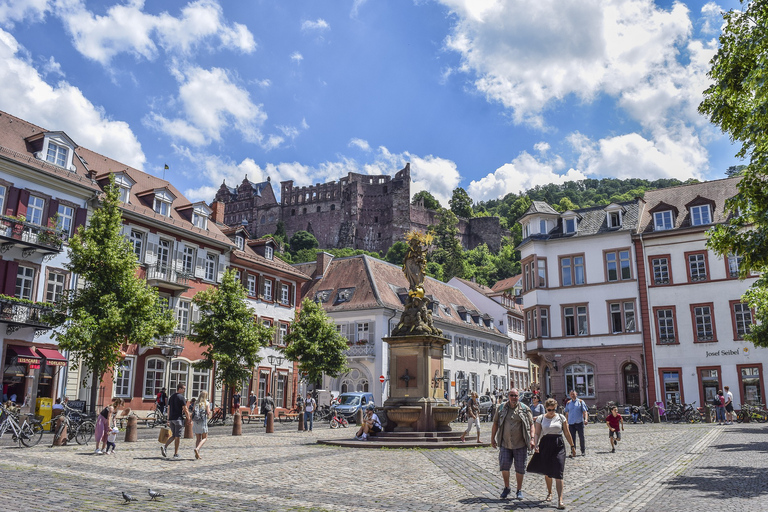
(371, 424)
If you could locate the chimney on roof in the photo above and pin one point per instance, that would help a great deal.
(217, 213)
(323, 260)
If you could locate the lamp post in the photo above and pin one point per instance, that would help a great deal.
(275, 361)
(171, 351)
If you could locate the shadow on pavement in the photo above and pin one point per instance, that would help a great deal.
(760, 447)
(725, 482)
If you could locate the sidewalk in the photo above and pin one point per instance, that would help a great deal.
(655, 467)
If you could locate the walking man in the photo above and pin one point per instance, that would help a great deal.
(309, 411)
(161, 400)
(513, 434)
(728, 406)
(252, 403)
(267, 406)
(577, 413)
(177, 413)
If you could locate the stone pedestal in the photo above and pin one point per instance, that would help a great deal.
(415, 361)
(131, 430)
(270, 423)
(237, 424)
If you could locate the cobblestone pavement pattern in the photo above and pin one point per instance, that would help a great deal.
(655, 467)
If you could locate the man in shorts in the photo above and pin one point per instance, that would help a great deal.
(513, 433)
(728, 406)
(615, 426)
(177, 413)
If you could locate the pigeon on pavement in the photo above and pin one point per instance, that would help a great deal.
(128, 498)
(153, 495)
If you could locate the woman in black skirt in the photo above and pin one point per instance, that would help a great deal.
(549, 458)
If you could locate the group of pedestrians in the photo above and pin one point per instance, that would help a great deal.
(723, 403)
(197, 412)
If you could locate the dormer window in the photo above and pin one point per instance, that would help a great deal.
(200, 221)
(162, 202)
(569, 225)
(543, 227)
(57, 154)
(268, 252)
(526, 230)
(124, 184)
(240, 242)
(614, 219)
(663, 220)
(700, 215)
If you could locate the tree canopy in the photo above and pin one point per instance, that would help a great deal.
(114, 307)
(737, 101)
(315, 344)
(461, 203)
(429, 200)
(303, 240)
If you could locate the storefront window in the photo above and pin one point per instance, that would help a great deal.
(709, 384)
(671, 388)
(750, 382)
(580, 377)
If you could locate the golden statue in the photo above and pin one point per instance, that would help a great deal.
(417, 316)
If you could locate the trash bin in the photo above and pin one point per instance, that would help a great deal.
(44, 409)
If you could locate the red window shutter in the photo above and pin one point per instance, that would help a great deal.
(13, 201)
(80, 216)
(3, 264)
(21, 209)
(11, 271)
(49, 212)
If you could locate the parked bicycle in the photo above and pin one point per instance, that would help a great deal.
(156, 417)
(749, 412)
(338, 420)
(27, 433)
(81, 432)
(217, 417)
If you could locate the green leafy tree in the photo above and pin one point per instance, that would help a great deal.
(229, 332)
(737, 102)
(461, 203)
(114, 306)
(448, 253)
(396, 253)
(314, 343)
(429, 200)
(280, 233)
(303, 240)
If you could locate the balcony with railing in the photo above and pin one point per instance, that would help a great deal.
(362, 348)
(168, 277)
(172, 343)
(32, 237)
(18, 313)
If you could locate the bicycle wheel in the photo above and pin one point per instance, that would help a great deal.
(601, 416)
(334, 423)
(152, 419)
(84, 432)
(31, 434)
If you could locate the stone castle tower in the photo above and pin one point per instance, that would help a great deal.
(359, 211)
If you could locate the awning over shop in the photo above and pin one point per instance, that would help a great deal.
(24, 355)
(52, 356)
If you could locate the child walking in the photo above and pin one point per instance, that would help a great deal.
(614, 421)
(111, 439)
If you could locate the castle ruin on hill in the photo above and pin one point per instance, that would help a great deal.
(359, 211)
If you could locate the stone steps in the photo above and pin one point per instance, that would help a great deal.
(428, 440)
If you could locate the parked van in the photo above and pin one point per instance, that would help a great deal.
(350, 403)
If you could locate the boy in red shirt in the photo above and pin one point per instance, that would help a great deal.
(614, 421)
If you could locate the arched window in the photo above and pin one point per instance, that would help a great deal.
(354, 381)
(179, 374)
(153, 376)
(580, 377)
(200, 379)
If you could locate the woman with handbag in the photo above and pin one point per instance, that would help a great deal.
(200, 416)
(549, 459)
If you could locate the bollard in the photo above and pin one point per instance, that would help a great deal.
(237, 424)
(302, 427)
(270, 422)
(188, 429)
(359, 416)
(131, 431)
(62, 440)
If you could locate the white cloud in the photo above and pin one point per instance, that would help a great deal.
(25, 94)
(320, 25)
(297, 57)
(356, 5)
(14, 11)
(541, 147)
(360, 143)
(128, 29)
(210, 103)
(522, 173)
(712, 18)
(437, 175)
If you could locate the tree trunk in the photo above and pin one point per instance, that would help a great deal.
(225, 400)
(95, 383)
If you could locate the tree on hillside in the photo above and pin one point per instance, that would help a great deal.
(448, 251)
(280, 233)
(396, 253)
(229, 332)
(303, 240)
(315, 344)
(114, 307)
(736, 102)
(461, 203)
(429, 200)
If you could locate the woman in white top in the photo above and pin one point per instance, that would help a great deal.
(551, 449)
(200, 416)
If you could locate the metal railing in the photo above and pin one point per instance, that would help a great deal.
(15, 230)
(168, 275)
(363, 350)
(23, 313)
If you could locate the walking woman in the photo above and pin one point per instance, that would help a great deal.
(104, 423)
(549, 458)
(200, 416)
(473, 411)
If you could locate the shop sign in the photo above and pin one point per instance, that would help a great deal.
(27, 360)
(724, 353)
(55, 363)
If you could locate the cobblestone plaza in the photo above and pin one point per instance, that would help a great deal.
(655, 467)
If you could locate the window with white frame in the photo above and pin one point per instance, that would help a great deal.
(665, 319)
(660, 270)
(137, 241)
(473, 349)
(569, 225)
(200, 379)
(700, 215)
(64, 219)
(742, 317)
(124, 378)
(25, 280)
(483, 351)
(154, 374)
(54, 288)
(200, 221)
(2, 200)
(188, 260)
(663, 221)
(575, 318)
(239, 242)
(183, 314)
(268, 252)
(179, 373)
(251, 285)
(697, 265)
(344, 331)
(210, 267)
(581, 378)
(542, 226)
(447, 348)
(622, 317)
(362, 332)
(734, 262)
(282, 333)
(162, 204)
(124, 194)
(704, 326)
(460, 347)
(35, 210)
(284, 294)
(57, 154)
(614, 219)
(267, 289)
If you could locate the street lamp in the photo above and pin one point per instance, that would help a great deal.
(171, 351)
(275, 361)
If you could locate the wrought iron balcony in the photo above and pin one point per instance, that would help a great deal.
(173, 342)
(33, 237)
(361, 350)
(17, 314)
(168, 277)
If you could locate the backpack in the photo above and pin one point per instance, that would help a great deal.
(716, 401)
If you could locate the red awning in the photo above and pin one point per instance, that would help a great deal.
(52, 356)
(25, 355)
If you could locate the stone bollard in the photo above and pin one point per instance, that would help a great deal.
(188, 429)
(359, 416)
(131, 430)
(237, 424)
(302, 427)
(270, 422)
(62, 440)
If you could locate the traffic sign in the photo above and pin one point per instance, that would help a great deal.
(382, 379)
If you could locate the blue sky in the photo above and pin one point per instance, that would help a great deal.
(495, 96)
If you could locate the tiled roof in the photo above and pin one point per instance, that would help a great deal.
(376, 283)
(594, 221)
(275, 263)
(479, 288)
(717, 191)
(540, 207)
(506, 284)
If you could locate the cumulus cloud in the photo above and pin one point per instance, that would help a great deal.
(712, 18)
(297, 57)
(128, 29)
(318, 25)
(356, 5)
(14, 11)
(211, 102)
(25, 94)
(522, 173)
(360, 143)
